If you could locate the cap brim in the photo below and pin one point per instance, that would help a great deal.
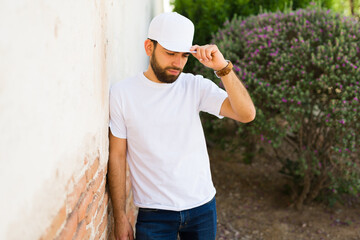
(175, 46)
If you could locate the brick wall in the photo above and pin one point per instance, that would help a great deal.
(87, 213)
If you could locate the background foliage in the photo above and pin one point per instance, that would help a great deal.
(209, 15)
(302, 69)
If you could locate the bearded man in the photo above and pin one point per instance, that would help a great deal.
(155, 126)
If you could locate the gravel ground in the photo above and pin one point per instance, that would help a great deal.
(252, 206)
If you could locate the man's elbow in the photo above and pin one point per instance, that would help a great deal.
(249, 116)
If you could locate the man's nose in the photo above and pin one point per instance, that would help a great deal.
(177, 60)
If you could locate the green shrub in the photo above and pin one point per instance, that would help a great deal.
(302, 69)
(209, 15)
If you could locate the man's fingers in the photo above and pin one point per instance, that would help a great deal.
(203, 53)
(208, 52)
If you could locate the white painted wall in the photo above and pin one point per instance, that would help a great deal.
(57, 60)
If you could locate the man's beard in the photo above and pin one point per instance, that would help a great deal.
(161, 74)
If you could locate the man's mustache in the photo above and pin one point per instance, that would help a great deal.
(173, 68)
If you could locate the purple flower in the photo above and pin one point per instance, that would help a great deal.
(284, 100)
(299, 102)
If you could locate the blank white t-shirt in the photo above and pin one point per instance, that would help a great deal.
(167, 155)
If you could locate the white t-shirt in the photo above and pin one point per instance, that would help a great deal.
(167, 155)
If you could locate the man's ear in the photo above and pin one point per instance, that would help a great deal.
(149, 47)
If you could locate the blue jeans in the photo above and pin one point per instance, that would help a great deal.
(193, 224)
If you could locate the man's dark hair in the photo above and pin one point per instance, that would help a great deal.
(154, 42)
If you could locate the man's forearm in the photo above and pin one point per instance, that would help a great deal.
(117, 184)
(239, 97)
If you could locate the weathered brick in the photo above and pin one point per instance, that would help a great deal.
(99, 215)
(91, 210)
(101, 228)
(86, 199)
(88, 234)
(73, 197)
(86, 161)
(70, 227)
(90, 172)
(80, 231)
(106, 197)
(101, 190)
(105, 168)
(57, 222)
(95, 184)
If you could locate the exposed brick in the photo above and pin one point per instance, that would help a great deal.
(57, 222)
(73, 198)
(99, 215)
(101, 228)
(105, 168)
(106, 198)
(88, 234)
(90, 172)
(86, 161)
(86, 199)
(70, 227)
(80, 231)
(95, 184)
(91, 210)
(101, 191)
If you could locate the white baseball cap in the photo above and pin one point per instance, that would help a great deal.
(172, 31)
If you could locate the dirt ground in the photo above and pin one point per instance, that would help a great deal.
(251, 205)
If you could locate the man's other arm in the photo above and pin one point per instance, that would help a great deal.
(117, 184)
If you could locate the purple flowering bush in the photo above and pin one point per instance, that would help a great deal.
(302, 70)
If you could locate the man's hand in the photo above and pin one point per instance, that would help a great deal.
(123, 229)
(210, 56)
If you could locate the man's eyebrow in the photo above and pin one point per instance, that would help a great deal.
(169, 51)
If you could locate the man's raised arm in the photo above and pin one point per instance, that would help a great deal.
(238, 105)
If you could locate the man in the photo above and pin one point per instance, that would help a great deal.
(155, 127)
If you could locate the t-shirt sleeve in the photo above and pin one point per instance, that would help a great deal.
(116, 122)
(211, 97)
